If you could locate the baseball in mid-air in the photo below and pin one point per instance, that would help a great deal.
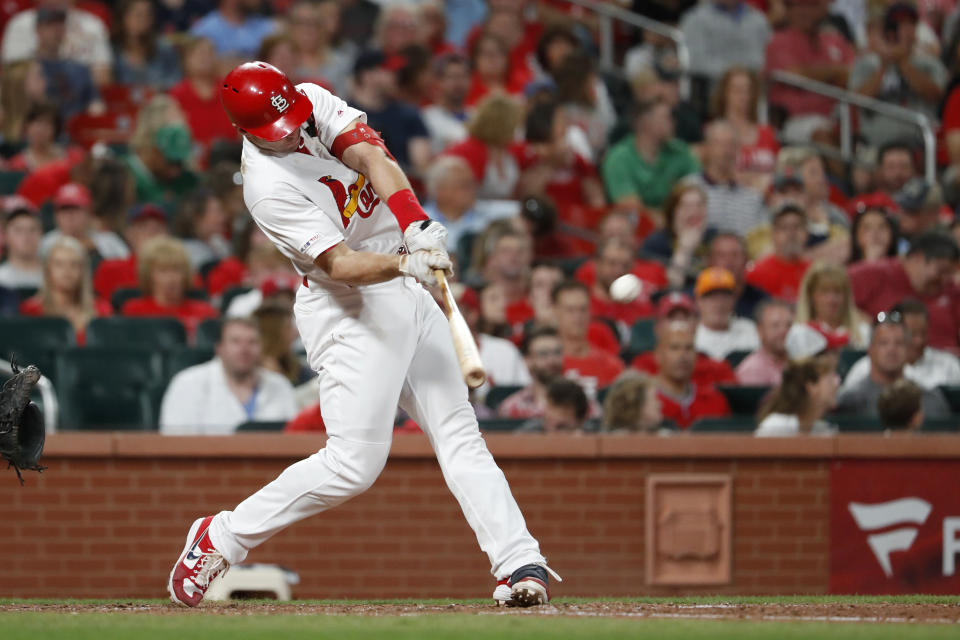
(626, 288)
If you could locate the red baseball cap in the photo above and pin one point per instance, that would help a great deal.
(72, 194)
(675, 301)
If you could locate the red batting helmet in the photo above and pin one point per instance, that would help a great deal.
(261, 100)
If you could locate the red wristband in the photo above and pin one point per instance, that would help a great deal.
(406, 208)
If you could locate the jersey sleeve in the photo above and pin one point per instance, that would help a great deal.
(332, 113)
(296, 223)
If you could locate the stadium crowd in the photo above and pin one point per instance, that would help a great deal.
(781, 286)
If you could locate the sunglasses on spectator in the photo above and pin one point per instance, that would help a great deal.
(888, 317)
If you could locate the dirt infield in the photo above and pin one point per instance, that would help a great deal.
(926, 613)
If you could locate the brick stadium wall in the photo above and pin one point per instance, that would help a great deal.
(109, 516)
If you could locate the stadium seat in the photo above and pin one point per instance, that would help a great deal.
(24, 293)
(952, 394)
(848, 357)
(108, 387)
(119, 331)
(35, 340)
(208, 333)
(852, 423)
(570, 265)
(733, 424)
(253, 425)
(949, 424)
(180, 358)
(734, 358)
(744, 401)
(496, 395)
(9, 181)
(500, 424)
(642, 337)
(121, 296)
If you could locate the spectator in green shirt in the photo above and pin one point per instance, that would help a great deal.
(160, 167)
(640, 169)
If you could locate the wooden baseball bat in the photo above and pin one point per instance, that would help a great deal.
(466, 348)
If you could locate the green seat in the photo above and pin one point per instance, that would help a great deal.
(642, 337)
(121, 296)
(731, 424)
(109, 387)
(855, 423)
(952, 395)
(180, 358)
(848, 357)
(261, 426)
(734, 358)
(120, 331)
(744, 401)
(496, 395)
(948, 424)
(570, 265)
(35, 340)
(500, 424)
(25, 292)
(9, 181)
(208, 333)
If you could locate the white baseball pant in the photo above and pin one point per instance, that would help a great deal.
(372, 346)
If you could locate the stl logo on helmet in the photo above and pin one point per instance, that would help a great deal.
(279, 103)
(359, 197)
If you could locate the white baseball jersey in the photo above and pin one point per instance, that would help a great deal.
(307, 202)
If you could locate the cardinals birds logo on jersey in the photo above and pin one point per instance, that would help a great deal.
(358, 198)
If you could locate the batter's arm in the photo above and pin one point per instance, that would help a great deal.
(345, 265)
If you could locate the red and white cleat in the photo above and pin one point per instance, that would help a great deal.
(197, 567)
(502, 594)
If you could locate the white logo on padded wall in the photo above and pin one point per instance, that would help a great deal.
(870, 517)
(279, 103)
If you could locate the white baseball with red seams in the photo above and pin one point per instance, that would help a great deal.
(372, 347)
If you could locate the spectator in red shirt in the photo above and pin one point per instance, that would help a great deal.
(807, 48)
(552, 168)
(310, 419)
(198, 94)
(780, 273)
(682, 400)
(543, 353)
(735, 100)
(706, 371)
(490, 59)
(896, 166)
(614, 259)
(924, 273)
(593, 367)
(490, 149)
(67, 289)
(144, 222)
(41, 130)
(623, 225)
(163, 268)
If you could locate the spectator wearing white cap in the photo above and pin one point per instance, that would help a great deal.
(73, 217)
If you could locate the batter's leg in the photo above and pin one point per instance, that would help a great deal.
(435, 396)
(361, 359)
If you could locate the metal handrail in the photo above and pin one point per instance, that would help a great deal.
(608, 13)
(47, 393)
(849, 98)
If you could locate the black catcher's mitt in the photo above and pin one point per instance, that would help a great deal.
(21, 422)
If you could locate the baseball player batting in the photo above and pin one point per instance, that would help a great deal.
(323, 187)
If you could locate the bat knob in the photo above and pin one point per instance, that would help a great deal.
(475, 378)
